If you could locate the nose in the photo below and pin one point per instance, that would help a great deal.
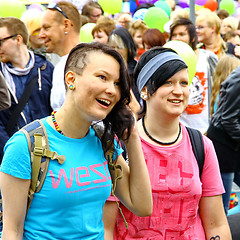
(178, 38)
(111, 88)
(177, 89)
(42, 34)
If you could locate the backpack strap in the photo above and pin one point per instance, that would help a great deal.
(99, 129)
(196, 139)
(40, 155)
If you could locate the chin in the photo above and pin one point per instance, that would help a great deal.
(4, 59)
(98, 117)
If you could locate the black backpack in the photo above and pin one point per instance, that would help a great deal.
(198, 147)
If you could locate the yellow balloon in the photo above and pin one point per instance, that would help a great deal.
(11, 8)
(187, 53)
(86, 32)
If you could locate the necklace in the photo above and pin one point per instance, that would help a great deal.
(155, 140)
(55, 123)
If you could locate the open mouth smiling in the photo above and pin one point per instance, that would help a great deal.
(175, 101)
(104, 102)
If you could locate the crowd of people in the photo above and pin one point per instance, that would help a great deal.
(139, 92)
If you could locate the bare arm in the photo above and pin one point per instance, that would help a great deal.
(5, 99)
(134, 189)
(110, 213)
(214, 219)
(14, 195)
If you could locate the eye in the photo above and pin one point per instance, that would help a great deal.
(102, 77)
(46, 28)
(117, 84)
(168, 82)
(184, 83)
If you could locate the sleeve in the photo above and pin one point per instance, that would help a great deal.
(118, 150)
(16, 159)
(230, 118)
(5, 99)
(3, 138)
(212, 60)
(211, 178)
(58, 90)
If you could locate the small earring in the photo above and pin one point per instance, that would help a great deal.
(71, 87)
(66, 33)
(144, 96)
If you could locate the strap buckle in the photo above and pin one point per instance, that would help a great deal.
(38, 151)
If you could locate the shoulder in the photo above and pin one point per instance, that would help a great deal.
(59, 67)
(233, 78)
(16, 159)
(210, 55)
(230, 48)
(42, 62)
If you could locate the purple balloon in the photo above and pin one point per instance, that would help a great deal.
(36, 6)
(237, 4)
(183, 3)
(200, 2)
(146, 1)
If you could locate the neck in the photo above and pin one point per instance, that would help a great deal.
(70, 124)
(71, 41)
(21, 59)
(212, 43)
(163, 131)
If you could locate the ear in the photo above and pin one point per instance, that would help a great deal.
(67, 25)
(144, 94)
(214, 28)
(70, 78)
(19, 39)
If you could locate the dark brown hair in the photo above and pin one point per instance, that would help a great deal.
(120, 118)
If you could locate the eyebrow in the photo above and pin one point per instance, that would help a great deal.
(105, 72)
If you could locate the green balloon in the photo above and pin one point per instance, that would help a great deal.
(86, 32)
(186, 53)
(227, 5)
(164, 6)
(111, 6)
(12, 8)
(156, 18)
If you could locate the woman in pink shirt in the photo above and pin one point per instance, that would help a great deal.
(185, 205)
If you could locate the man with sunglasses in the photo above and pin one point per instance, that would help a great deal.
(28, 77)
(60, 30)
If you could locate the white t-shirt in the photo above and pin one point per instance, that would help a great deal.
(196, 114)
(58, 90)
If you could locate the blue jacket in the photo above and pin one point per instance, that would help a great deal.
(38, 103)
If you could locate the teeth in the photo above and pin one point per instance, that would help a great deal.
(105, 101)
(176, 101)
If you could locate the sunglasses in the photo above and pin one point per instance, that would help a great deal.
(6, 38)
(54, 5)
